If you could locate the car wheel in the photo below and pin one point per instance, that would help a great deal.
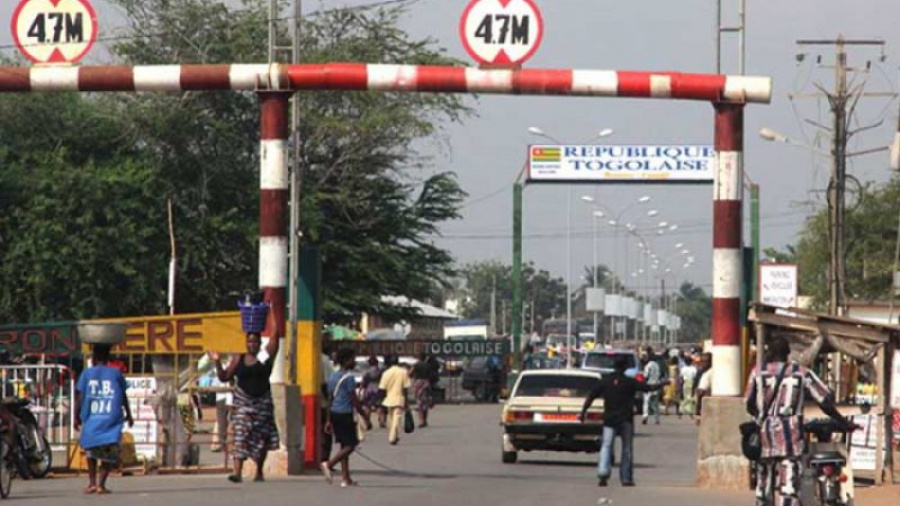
(480, 393)
(510, 457)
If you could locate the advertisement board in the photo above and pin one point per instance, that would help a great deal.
(620, 164)
(146, 429)
(778, 284)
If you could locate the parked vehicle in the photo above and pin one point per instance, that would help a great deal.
(603, 361)
(476, 378)
(826, 462)
(30, 449)
(542, 413)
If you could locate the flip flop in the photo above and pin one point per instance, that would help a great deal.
(90, 489)
(103, 491)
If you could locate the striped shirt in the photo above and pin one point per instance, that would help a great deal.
(781, 427)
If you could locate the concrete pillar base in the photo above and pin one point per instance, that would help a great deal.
(288, 460)
(278, 463)
(720, 461)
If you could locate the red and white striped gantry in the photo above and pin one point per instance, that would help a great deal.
(276, 82)
(363, 77)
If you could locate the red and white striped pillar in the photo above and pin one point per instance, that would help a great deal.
(273, 214)
(727, 249)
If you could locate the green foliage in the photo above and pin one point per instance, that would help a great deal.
(83, 230)
(546, 294)
(695, 308)
(870, 239)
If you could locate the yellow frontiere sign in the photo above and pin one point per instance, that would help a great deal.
(189, 333)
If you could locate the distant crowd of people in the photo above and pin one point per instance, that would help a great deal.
(384, 391)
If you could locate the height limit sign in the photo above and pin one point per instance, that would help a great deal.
(54, 31)
(501, 32)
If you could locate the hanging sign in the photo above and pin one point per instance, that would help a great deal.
(501, 32)
(54, 31)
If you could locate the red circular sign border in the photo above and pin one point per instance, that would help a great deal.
(76, 59)
(468, 48)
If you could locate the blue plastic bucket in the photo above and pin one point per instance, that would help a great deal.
(253, 316)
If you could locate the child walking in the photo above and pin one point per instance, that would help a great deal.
(102, 409)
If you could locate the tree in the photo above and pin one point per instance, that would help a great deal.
(695, 308)
(542, 294)
(870, 237)
(368, 202)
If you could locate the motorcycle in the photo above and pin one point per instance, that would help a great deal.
(29, 448)
(826, 462)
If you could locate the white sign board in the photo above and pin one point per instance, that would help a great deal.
(612, 164)
(895, 381)
(778, 285)
(863, 443)
(145, 430)
(54, 31)
(501, 32)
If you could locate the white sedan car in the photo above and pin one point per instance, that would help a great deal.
(542, 413)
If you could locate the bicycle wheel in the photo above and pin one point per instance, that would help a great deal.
(6, 469)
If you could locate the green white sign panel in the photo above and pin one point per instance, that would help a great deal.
(621, 164)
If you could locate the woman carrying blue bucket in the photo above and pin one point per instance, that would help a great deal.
(255, 433)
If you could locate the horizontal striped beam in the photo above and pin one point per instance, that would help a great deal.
(412, 78)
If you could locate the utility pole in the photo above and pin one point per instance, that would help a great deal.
(517, 314)
(842, 102)
(493, 305)
(754, 238)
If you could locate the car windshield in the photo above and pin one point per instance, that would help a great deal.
(556, 386)
(607, 361)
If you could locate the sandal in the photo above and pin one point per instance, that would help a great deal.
(90, 489)
(351, 483)
(103, 491)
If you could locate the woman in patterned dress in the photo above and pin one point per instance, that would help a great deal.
(255, 433)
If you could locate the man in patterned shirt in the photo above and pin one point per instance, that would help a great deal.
(781, 426)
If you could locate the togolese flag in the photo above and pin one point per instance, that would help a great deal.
(546, 154)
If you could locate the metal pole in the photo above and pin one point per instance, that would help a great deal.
(569, 278)
(596, 276)
(727, 249)
(517, 316)
(294, 240)
(754, 238)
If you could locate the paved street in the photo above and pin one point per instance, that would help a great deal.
(456, 461)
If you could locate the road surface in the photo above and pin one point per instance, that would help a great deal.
(456, 461)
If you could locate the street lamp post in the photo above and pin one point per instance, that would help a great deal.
(599, 212)
(569, 342)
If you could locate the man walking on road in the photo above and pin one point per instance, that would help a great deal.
(653, 376)
(395, 383)
(775, 398)
(618, 392)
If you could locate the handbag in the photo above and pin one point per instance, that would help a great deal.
(751, 437)
(409, 425)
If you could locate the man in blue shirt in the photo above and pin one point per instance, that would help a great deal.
(102, 409)
(340, 421)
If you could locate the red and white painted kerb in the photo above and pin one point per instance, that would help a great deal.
(273, 212)
(727, 249)
(361, 77)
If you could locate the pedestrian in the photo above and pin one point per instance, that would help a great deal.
(372, 394)
(618, 392)
(688, 381)
(102, 407)
(422, 376)
(671, 394)
(653, 377)
(326, 363)
(395, 384)
(778, 409)
(494, 378)
(255, 433)
(341, 423)
(704, 382)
